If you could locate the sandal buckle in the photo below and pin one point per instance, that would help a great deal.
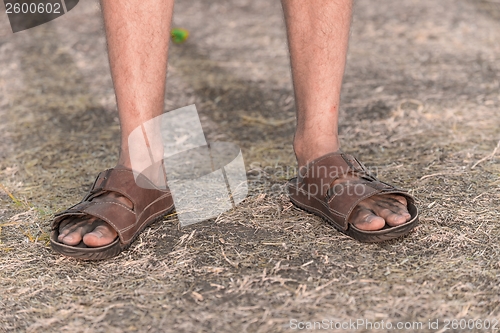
(353, 163)
(100, 182)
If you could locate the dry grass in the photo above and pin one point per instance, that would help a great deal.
(420, 105)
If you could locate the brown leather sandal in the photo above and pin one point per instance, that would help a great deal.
(314, 191)
(149, 204)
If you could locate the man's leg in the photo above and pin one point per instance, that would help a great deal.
(138, 34)
(318, 33)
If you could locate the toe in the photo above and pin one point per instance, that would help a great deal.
(393, 219)
(65, 227)
(102, 235)
(62, 234)
(393, 209)
(366, 219)
(401, 199)
(72, 238)
(73, 233)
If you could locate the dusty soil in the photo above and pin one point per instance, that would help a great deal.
(420, 107)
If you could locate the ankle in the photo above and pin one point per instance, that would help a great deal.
(308, 148)
(144, 167)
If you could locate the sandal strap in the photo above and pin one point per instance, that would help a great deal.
(122, 181)
(319, 175)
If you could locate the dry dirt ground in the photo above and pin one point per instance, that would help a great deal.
(420, 106)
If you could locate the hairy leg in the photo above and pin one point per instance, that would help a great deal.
(318, 34)
(138, 34)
